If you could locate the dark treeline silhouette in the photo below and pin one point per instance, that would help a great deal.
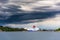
(7, 29)
(11, 29)
(58, 29)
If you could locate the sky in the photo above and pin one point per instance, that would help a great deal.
(26, 13)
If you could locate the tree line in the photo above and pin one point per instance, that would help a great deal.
(11, 29)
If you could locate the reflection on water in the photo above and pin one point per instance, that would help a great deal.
(29, 35)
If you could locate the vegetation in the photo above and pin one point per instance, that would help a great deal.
(57, 29)
(6, 29)
(11, 29)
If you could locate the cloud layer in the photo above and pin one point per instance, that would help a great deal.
(24, 13)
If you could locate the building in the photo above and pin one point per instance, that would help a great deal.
(33, 28)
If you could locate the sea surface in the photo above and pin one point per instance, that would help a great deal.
(29, 35)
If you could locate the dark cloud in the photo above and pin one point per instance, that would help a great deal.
(32, 16)
(19, 17)
(12, 8)
(41, 8)
(3, 1)
(57, 4)
(8, 10)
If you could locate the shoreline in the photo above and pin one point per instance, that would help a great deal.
(30, 31)
(10, 29)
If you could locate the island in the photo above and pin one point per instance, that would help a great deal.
(10, 29)
(6, 29)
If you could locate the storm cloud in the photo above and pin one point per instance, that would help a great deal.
(3, 1)
(27, 11)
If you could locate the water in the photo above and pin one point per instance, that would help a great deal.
(29, 35)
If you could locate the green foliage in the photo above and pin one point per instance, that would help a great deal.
(58, 29)
(11, 29)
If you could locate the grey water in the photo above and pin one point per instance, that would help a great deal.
(29, 35)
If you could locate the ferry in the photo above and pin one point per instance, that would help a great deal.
(32, 29)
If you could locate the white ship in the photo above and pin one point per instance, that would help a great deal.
(33, 28)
